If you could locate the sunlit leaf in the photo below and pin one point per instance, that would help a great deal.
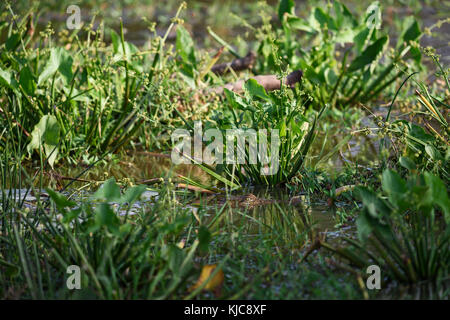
(214, 282)
(256, 90)
(45, 136)
(60, 60)
(185, 46)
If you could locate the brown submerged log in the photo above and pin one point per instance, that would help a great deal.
(269, 82)
(235, 65)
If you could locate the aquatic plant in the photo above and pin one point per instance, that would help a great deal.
(345, 59)
(258, 110)
(405, 230)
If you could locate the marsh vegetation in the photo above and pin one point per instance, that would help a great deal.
(359, 96)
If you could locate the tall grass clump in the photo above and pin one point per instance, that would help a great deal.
(405, 230)
(88, 91)
(122, 252)
(260, 113)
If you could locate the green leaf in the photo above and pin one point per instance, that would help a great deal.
(12, 42)
(109, 191)
(370, 55)
(345, 35)
(118, 49)
(132, 194)
(115, 39)
(204, 237)
(27, 81)
(70, 215)
(419, 133)
(298, 23)
(60, 200)
(45, 135)
(407, 163)
(7, 80)
(285, 6)
(323, 19)
(235, 100)
(60, 60)
(392, 182)
(256, 90)
(330, 77)
(185, 46)
(396, 189)
(433, 153)
(411, 31)
(105, 216)
(186, 71)
(362, 38)
(174, 257)
(282, 128)
(437, 194)
(374, 205)
(364, 227)
(344, 18)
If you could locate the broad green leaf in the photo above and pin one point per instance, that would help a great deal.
(298, 23)
(419, 133)
(105, 216)
(60, 60)
(109, 191)
(7, 79)
(12, 42)
(59, 199)
(437, 194)
(69, 215)
(416, 55)
(370, 55)
(407, 163)
(132, 194)
(345, 35)
(45, 135)
(362, 38)
(374, 205)
(235, 100)
(433, 153)
(364, 227)
(174, 257)
(256, 90)
(286, 6)
(411, 31)
(392, 182)
(186, 71)
(115, 39)
(330, 77)
(396, 189)
(323, 19)
(27, 81)
(185, 46)
(123, 52)
(344, 18)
